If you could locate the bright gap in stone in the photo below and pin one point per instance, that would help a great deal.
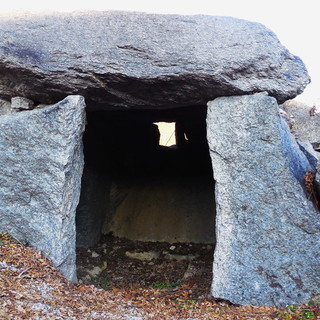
(167, 133)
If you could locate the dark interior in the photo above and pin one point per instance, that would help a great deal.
(132, 187)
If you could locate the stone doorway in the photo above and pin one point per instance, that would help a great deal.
(146, 215)
(135, 188)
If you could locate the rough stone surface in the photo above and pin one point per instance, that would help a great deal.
(310, 153)
(21, 103)
(268, 248)
(176, 209)
(317, 175)
(306, 126)
(137, 60)
(93, 205)
(41, 162)
(5, 107)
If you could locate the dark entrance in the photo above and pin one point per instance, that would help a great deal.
(133, 187)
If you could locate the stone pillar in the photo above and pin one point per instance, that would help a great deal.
(268, 246)
(41, 160)
(93, 207)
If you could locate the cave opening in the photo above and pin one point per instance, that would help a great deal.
(138, 191)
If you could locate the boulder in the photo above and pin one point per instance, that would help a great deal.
(306, 125)
(268, 248)
(137, 60)
(41, 162)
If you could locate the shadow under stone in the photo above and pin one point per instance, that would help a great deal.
(132, 187)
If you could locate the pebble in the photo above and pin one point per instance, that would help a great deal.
(94, 254)
(97, 270)
(143, 256)
(178, 257)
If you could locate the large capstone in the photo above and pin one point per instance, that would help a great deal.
(267, 231)
(41, 162)
(138, 60)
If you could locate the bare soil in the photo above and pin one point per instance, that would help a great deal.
(126, 264)
(119, 280)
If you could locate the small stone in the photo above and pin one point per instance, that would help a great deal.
(143, 256)
(21, 103)
(190, 272)
(178, 257)
(94, 254)
(97, 269)
(172, 248)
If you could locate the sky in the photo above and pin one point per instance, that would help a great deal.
(296, 23)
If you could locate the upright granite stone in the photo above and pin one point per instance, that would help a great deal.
(41, 160)
(138, 60)
(268, 248)
(93, 204)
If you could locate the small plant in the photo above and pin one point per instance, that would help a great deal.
(165, 285)
(186, 304)
(307, 314)
(292, 307)
(23, 242)
(120, 254)
(104, 283)
(297, 313)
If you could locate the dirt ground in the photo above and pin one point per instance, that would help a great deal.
(122, 280)
(125, 264)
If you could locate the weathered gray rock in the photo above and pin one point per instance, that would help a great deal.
(41, 162)
(5, 107)
(176, 209)
(310, 153)
(93, 205)
(268, 248)
(21, 103)
(122, 59)
(317, 182)
(306, 126)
